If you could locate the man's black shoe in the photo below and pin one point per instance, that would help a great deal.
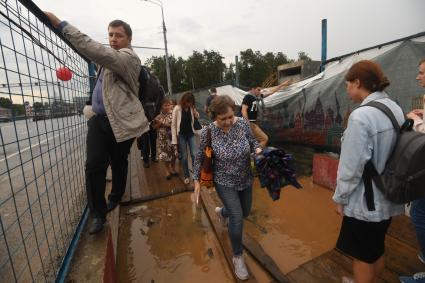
(111, 205)
(154, 160)
(146, 164)
(96, 226)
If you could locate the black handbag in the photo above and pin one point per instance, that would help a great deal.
(196, 125)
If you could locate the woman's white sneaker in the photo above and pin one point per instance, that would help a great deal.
(240, 268)
(223, 220)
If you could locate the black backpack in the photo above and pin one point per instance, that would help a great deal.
(403, 179)
(151, 93)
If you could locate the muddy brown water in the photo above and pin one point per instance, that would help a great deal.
(169, 240)
(298, 227)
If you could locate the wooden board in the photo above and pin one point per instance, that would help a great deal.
(401, 243)
(156, 196)
(132, 186)
(264, 259)
(402, 229)
(220, 231)
(400, 259)
(143, 183)
(301, 275)
(324, 269)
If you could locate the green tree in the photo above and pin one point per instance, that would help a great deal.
(18, 109)
(303, 56)
(5, 102)
(205, 69)
(178, 79)
(199, 70)
(194, 69)
(214, 67)
(157, 65)
(229, 73)
(38, 107)
(255, 67)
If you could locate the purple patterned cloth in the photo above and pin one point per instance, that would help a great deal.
(274, 170)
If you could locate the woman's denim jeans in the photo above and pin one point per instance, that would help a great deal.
(184, 142)
(417, 212)
(237, 206)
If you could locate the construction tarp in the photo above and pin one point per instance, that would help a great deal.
(315, 111)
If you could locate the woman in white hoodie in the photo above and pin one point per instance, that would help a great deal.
(183, 132)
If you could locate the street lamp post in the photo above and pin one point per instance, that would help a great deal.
(164, 31)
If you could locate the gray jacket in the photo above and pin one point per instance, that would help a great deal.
(120, 84)
(369, 134)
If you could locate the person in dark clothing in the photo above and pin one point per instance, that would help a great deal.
(148, 146)
(249, 109)
(213, 94)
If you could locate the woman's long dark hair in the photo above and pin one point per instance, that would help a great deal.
(187, 100)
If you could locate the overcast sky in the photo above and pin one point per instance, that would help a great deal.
(229, 26)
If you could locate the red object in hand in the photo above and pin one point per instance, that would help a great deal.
(64, 74)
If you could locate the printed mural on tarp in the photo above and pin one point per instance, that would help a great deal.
(315, 111)
(319, 113)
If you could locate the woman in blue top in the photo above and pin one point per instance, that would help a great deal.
(232, 143)
(370, 135)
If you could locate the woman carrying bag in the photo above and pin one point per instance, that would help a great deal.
(370, 135)
(183, 131)
(232, 144)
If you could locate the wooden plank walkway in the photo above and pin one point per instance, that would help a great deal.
(221, 232)
(401, 249)
(145, 183)
(330, 266)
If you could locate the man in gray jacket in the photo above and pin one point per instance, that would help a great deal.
(118, 114)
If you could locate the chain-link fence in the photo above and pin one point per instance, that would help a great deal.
(42, 144)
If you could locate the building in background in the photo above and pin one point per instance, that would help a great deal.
(5, 115)
(298, 70)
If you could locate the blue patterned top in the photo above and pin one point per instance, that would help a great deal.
(232, 154)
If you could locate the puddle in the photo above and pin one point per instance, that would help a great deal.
(169, 240)
(298, 227)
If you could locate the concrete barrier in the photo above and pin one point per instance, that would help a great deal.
(325, 168)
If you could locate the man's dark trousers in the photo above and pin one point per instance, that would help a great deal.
(102, 150)
(149, 145)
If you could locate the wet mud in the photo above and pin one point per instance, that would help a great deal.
(298, 227)
(169, 240)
